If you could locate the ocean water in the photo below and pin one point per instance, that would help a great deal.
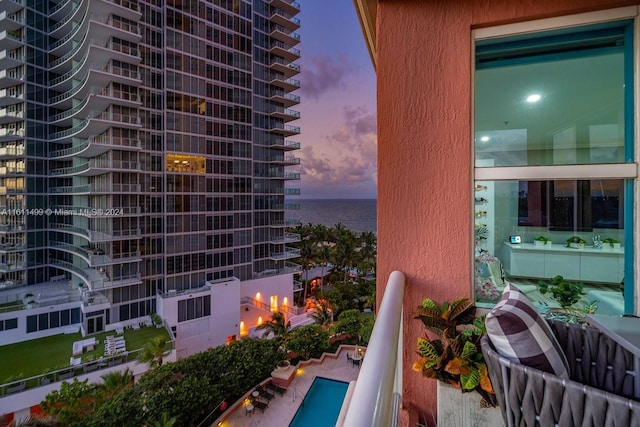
(358, 215)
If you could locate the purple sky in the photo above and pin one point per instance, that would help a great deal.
(338, 112)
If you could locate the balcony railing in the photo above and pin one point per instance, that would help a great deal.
(377, 394)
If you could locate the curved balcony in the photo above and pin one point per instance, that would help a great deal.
(7, 116)
(284, 19)
(10, 40)
(9, 268)
(11, 228)
(95, 146)
(286, 99)
(99, 101)
(108, 50)
(97, 189)
(71, 23)
(292, 192)
(285, 175)
(11, 151)
(96, 212)
(96, 167)
(10, 99)
(286, 68)
(280, 33)
(69, 248)
(286, 130)
(11, 58)
(61, 9)
(11, 21)
(103, 236)
(284, 51)
(8, 248)
(288, 6)
(7, 135)
(11, 6)
(97, 260)
(96, 126)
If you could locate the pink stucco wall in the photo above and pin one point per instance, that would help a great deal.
(424, 151)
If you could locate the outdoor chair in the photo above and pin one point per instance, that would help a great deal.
(349, 358)
(598, 392)
(264, 393)
(260, 404)
(276, 388)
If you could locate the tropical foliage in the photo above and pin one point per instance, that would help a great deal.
(453, 355)
(277, 326)
(154, 351)
(308, 341)
(181, 392)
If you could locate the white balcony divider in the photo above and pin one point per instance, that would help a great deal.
(378, 391)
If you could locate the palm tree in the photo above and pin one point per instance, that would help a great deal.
(276, 326)
(116, 380)
(345, 249)
(322, 315)
(154, 351)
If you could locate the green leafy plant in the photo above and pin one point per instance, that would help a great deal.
(575, 239)
(610, 241)
(542, 239)
(453, 355)
(565, 292)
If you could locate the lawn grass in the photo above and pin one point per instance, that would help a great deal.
(31, 358)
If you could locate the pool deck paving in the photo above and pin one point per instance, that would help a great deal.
(282, 409)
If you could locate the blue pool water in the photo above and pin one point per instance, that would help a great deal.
(321, 406)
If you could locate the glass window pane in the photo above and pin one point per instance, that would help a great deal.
(551, 99)
(523, 236)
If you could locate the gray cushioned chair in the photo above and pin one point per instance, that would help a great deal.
(599, 392)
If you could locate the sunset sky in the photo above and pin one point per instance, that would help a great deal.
(338, 121)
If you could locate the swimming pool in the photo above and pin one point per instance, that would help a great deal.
(321, 406)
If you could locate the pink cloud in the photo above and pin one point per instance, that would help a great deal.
(321, 74)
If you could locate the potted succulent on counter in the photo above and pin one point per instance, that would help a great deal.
(576, 242)
(611, 243)
(541, 241)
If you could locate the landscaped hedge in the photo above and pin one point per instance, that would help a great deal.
(188, 389)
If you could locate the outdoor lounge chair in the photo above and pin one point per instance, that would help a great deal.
(260, 404)
(276, 388)
(264, 393)
(598, 393)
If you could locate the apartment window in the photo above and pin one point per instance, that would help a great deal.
(554, 158)
(194, 308)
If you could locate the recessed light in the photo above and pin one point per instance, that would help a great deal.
(533, 98)
(484, 139)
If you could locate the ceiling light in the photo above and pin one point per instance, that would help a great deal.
(533, 98)
(484, 139)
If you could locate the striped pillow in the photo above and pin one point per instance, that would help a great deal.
(520, 334)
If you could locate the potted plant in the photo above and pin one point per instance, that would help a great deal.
(611, 243)
(541, 241)
(283, 365)
(576, 242)
(567, 294)
(452, 354)
(156, 319)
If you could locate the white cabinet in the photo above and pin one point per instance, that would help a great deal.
(544, 262)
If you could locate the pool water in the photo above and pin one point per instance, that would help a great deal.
(321, 406)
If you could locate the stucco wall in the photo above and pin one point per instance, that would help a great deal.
(424, 151)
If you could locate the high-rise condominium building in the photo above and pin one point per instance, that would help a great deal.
(143, 147)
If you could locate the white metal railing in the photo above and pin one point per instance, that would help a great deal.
(377, 394)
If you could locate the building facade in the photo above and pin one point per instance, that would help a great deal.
(522, 122)
(143, 149)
